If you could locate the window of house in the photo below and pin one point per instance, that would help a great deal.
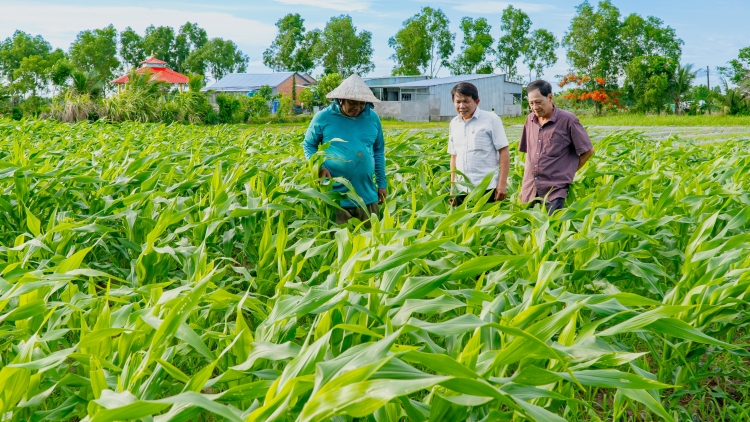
(405, 97)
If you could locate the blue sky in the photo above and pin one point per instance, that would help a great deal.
(713, 31)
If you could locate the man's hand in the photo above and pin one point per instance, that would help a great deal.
(323, 173)
(381, 195)
(501, 192)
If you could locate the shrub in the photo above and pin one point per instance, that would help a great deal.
(72, 107)
(230, 108)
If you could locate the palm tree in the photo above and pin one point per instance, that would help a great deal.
(683, 79)
(89, 83)
(195, 82)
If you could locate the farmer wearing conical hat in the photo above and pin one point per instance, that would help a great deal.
(357, 148)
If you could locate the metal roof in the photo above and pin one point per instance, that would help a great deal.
(248, 81)
(439, 81)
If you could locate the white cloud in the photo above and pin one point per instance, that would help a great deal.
(60, 24)
(490, 7)
(343, 5)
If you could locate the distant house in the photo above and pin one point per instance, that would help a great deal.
(159, 72)
(250, 83)
(424, 99)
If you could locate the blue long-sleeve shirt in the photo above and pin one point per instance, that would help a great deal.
(356, 159)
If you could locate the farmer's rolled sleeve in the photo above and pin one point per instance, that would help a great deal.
(552, 154)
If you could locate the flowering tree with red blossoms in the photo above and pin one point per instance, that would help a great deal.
(591, 91)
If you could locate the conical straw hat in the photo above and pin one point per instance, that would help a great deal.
(353, 88)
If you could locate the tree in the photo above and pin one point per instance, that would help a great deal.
(160, 42)
(588, 90)
(648, 80)
(738, 70)
(14, 49)
(540, 53)
(476, 48)
(593, 41)
(601, 44)
(316, 95)
(218, 57)
(96, 50)
(61, 71)
(648, 37)
(515, 23)
(131, 48)
(683, 81)
(32, 74)
(87, 83)
(195, 82)
(423, 44)
(190, 38)
(342, 50)
(293, 49)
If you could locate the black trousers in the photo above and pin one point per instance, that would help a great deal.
(343, 216)
(552, 206)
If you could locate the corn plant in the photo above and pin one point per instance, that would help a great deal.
(159, 273)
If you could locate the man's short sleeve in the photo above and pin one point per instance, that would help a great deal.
(579, 136)
(522, 144)
(499, 139)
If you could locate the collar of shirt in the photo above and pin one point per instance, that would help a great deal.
(458, 117)
(552, 118)
(336, 109)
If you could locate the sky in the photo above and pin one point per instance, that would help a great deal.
(712, 30)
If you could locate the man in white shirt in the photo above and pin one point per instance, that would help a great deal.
(477, 145)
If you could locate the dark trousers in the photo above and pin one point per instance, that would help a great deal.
(552, 206)
(342, 216)
(459, 199)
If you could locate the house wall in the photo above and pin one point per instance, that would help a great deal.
(408, 111)
(286, 88)
(494, 94)
(388, 109)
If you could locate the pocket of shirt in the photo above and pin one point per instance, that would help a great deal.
(556, 146)
(481, 141)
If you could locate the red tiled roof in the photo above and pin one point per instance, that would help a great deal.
(159, 74)
(152, 60)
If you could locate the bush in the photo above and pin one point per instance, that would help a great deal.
(280, 119)
(230, 108)
(171, 111)
(131, 105)
(34, 106)
(72, 107)
(286, 105)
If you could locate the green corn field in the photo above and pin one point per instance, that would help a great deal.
(184, 273)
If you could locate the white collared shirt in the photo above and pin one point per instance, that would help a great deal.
(475, 143)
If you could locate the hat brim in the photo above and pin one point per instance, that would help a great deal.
(366, 98)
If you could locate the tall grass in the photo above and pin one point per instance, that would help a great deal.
(178, 272)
